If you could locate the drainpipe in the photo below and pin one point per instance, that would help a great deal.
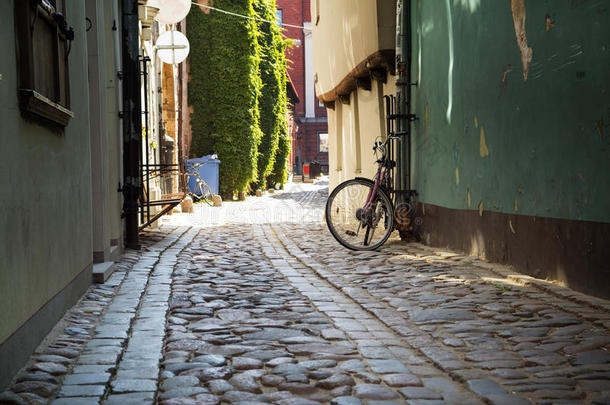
(132, 122)
(403, 90)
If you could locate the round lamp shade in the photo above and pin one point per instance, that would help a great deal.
(172, 47)
(171, 11)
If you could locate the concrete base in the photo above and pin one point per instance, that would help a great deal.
(16, 350)
(101, 272)
(187, 204)
(111, 254)
(100, 256)
(569, 251)
(115, 253)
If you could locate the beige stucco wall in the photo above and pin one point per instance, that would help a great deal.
(342, 38)
(346, 34)
(353, 129)
(45, 193)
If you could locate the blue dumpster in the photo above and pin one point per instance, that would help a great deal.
(208, 171)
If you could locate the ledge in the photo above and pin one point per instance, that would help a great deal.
(382, 60)
(35, 103)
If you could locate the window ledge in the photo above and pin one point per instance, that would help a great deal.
(35, 103)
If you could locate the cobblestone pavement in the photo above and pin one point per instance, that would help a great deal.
(255, 303)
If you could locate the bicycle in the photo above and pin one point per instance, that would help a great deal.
(358, 208)
(202, 191)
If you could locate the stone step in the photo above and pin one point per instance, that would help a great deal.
(101, 272)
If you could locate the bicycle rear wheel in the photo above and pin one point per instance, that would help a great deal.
(353, 225)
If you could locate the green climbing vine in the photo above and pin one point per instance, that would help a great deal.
(272, 102)
(224, 89)
(237, 91)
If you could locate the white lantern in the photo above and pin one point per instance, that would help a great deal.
(172, 47)
(171, 11)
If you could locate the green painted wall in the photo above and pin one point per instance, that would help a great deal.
(45, 187)
(536, 146)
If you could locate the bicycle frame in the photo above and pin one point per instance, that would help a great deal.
(384, 198)
(381, 174)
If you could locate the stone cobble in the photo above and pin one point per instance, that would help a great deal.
(498, 332)
(74, 363)
(255, 303)
(249, 327)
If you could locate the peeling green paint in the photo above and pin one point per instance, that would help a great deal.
(536, 136)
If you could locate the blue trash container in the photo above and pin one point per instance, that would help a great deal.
(208, 171)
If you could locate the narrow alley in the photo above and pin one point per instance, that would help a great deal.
(256, 303)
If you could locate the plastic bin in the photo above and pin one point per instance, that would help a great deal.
(305, 169)
(208, 172)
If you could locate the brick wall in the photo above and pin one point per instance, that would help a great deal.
(293, 14)
(305, 141)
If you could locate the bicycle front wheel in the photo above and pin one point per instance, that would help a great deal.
(205, 193)
(354, 224)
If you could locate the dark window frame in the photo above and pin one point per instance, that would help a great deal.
(43, 40)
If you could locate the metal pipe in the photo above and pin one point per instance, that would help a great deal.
(407, 102)
(403, 84)
(145, 164)
(132, 122)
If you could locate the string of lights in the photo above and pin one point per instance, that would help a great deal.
(247, 17)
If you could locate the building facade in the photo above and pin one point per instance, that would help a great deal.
(509, 148)
(353, 72)
(64, 154)
(310, 136)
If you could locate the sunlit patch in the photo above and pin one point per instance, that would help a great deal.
(502, 282)
(450, 68)
(470, 5)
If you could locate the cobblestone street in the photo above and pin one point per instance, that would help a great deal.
(256, 303)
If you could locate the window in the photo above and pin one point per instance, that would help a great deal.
(322, 142)
(43, 46)
(279, 15)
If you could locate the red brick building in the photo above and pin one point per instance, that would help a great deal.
(310, 138)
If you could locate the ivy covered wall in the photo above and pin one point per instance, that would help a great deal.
(272, 103)
(224, 89)
(237, 90)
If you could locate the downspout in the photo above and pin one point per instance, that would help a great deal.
(132, 122)
(403, 90)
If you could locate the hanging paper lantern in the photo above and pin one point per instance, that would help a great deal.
(171, 11)
(172, 47)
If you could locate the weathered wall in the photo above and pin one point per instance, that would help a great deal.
(531, 141)
(45, 193)
(514, 119)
